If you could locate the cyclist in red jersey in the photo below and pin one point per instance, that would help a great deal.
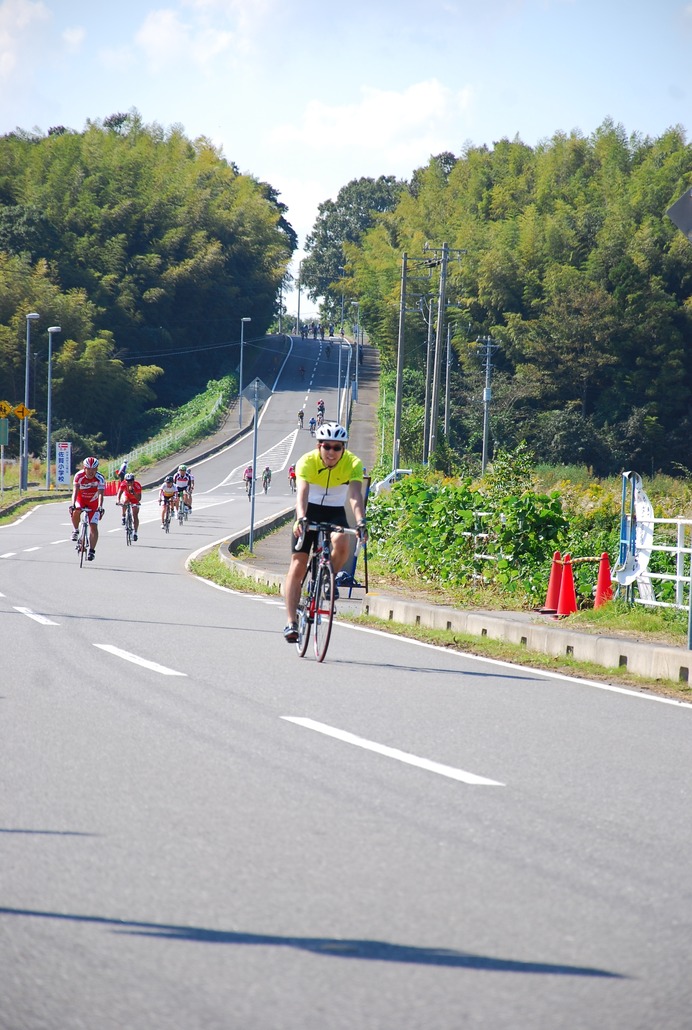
(130, 492)
(88, 490)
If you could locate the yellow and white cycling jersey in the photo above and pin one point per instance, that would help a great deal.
(329, 486)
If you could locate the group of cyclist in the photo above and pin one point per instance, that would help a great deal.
(325, 480)
(249, 477)
(176, 487)
(89, 490)
(315, 420)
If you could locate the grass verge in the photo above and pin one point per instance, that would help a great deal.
(212, 567)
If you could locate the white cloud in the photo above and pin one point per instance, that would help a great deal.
(17, 20)
(400, 126)
(74, 38)
(167, 40)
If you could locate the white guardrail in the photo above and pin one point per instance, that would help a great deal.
(165, 442)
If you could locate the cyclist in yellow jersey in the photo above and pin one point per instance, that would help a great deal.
(326, 480)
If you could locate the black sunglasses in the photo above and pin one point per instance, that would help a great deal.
(332, 446)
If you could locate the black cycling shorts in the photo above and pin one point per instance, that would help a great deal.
(318, 513)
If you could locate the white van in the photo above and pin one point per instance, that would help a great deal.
(385, 484)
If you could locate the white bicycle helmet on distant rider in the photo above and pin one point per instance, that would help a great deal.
(332, 431)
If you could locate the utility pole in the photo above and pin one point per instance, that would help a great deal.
(399, 366)
(490, 346)
(443, 262)
(428, 379)
(447, 378)
(435, 401)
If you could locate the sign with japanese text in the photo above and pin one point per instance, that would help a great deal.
(63, 463)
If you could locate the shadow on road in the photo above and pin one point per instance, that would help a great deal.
(377, 951)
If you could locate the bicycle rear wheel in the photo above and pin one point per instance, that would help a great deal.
(324, 610)
(305, 614)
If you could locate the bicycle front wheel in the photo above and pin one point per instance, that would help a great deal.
(128, 529)
(83, 545)
(324, 610)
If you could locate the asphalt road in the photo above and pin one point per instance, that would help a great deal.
(200, 830)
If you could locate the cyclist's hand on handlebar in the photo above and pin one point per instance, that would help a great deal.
(299, 527)
(102, 512)
(72, 509)
(362, 531)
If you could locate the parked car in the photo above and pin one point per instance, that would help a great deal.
(384, 485)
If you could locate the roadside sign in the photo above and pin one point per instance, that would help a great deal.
(680, 214)
(5, 409)
(4, 431)
(23, 412)
(63, 463)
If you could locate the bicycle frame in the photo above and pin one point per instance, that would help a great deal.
(316, 606)
(129, 525)
(167, 512)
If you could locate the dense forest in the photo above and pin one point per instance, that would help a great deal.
(569, 265)
(147, 249)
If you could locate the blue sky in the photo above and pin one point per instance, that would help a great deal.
(308, 95)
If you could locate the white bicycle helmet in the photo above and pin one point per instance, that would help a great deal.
(332, 431)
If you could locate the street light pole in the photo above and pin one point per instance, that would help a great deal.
(24, 463)
(300, 272)
(240, 387)
(51, 329)
(341, 344)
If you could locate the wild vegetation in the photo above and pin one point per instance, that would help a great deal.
(489, 541)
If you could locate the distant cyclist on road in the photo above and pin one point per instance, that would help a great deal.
(292, 478)
(266, 478)
(130, 492)
(185, 484)
(168, 493)
(313, 425)
(88, 491)
(301, 416)
(248, 476)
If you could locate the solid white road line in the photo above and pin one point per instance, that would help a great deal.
(8, 554)
(392, 752)
(136, 660)
(37, 618)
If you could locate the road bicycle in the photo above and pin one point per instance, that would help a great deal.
(129, 525)
(248, 489)
(266, 483)
(316, 605)
(82, 544)
(182, 510)
(167, 514)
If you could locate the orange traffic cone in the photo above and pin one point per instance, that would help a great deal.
(567, 604)
(604, 588)
(553, 595)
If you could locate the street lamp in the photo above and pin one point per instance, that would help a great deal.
(51, 329)
(24, 449)
(240, 388)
